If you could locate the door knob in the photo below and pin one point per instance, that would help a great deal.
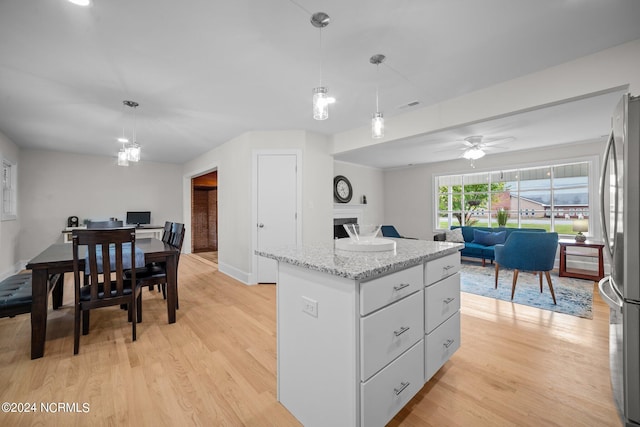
(261, 225)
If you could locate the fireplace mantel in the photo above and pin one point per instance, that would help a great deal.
(349, 211)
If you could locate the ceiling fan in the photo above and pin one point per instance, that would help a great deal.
(476, 145)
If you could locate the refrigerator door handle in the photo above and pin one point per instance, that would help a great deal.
(603, 214)
(610, 297)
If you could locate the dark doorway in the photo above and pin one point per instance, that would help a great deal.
(204, 212)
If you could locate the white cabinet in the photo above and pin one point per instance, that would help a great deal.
(441, 301)
(389, 332)
(384, 290)
(440, 344)
(386, 393)
(440, 268)
(354, 352)
(442, 312)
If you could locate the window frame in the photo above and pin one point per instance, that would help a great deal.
(592, 188)
(9, 191)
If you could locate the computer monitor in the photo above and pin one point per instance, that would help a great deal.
(138, 218)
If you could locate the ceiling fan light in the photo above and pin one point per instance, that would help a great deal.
(81, 2)
(377, 126)
(473, 153)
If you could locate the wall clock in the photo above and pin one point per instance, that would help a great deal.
(342, 189)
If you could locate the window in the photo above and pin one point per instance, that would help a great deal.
(9, 189)
(549, 197)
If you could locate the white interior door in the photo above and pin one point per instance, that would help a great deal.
(276, 208)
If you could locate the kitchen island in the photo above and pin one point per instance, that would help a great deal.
(360, 333)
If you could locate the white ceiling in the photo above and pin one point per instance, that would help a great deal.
(206, 71)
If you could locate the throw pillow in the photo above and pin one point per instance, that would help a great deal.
(489, 238)
(454, 235)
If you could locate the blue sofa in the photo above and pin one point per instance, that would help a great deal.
(484, 249)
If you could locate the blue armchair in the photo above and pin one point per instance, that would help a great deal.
(527, 251)
(390, 231)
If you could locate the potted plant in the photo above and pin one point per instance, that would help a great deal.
(502, 217)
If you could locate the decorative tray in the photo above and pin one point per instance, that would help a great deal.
(374, 245)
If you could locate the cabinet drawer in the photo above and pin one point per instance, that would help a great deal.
(377, 293)
(441, 300)
(441, 344)
(440, 268)
(387, 333)
(387, 392)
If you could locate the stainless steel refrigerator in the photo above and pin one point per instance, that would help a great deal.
(620, 217)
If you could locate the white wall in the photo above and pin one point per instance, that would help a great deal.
(367, 181)
(9, 230)
(409, 201)
(55, 185)
(233, 161)
(617, 67)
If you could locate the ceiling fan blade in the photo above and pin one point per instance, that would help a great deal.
(497, 140)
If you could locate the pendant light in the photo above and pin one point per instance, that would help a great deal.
(377, 121)
(133, 149)
(130, 151)
(321, 100)
(122, 154)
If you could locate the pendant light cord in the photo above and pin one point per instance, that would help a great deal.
(377, 85)
(321, 58)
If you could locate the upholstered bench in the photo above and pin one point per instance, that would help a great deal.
(15, 295)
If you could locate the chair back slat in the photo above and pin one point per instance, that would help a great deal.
(177, 234)
(166, 234)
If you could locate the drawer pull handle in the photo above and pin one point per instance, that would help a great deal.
(403, 385)
(401, 331)
(448, 343)
(446, 268)
(449, 300)
(401, 286)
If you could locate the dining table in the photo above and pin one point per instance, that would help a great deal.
(48, 269)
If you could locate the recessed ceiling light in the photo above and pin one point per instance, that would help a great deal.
(80, 2)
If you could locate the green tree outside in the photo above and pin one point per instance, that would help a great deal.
(476, 196)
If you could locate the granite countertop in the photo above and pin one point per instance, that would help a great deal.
(361, 265)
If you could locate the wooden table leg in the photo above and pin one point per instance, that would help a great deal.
(172, 283)
(57, 282)
(39, 294)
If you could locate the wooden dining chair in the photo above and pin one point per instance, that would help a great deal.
(102, 282)
(156, 274)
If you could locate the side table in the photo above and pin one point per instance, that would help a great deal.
(596, 252)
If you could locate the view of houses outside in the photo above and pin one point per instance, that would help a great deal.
(550, 197)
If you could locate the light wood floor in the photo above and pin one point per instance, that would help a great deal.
(212, 257)
(216, 366)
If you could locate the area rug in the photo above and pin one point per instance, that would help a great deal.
(573, 296)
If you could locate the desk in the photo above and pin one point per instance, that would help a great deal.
(142, 232)
(596, 252)
(48, 268)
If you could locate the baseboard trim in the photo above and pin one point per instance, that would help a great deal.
(237, 274)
